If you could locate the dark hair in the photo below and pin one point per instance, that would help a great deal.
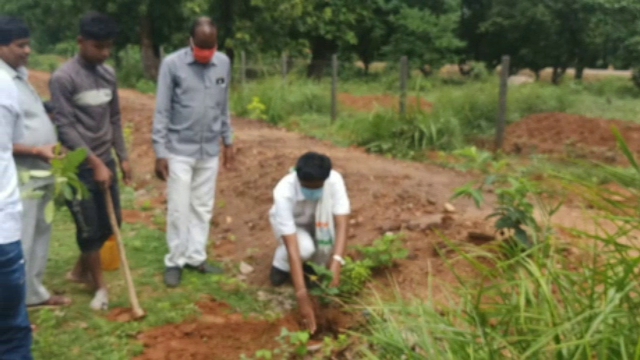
(12, 29)
(313, 167)
(97, 26)
(201, 21)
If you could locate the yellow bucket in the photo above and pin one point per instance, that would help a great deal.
(110, 255)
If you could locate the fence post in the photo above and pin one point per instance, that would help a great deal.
(502, 109)
(285, 70)
(334, 87)
(243, 68)
(404, 75)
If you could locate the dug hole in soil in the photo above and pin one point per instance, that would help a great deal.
(221, 334)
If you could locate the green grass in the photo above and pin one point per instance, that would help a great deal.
(79, 333)
(282, 101)
(627, 109)
(537, 305)
(556, 300)
(461, 112)
(45, 62)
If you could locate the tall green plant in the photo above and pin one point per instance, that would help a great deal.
(545, 303)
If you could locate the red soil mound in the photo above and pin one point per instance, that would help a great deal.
(570, 135)
(370, 103)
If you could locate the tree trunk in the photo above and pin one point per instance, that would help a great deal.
(150, 52)
(321, 52)
(367, 65)
(290, 64)
(558, 73)
(426, 70)
(465, 69)
(579, 72)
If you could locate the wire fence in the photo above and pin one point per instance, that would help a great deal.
(328, 73)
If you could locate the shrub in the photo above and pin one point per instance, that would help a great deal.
(612, 86)
(45, 62)
(130, 71)
(146, 86)
(282, 101)
(635, 77)
(382, 254)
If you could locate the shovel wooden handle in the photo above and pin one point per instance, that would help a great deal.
(133, 297)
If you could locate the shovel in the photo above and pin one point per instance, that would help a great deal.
(137, 311)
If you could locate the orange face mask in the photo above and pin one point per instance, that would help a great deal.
(203, 56)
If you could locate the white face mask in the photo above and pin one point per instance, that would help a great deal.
(312, 194)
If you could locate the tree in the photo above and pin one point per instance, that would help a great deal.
(289, 25)
(51, 22)
(372, 32)
(541, 33)
(425, 37)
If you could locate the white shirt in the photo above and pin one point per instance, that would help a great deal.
(38, 128)
(291, 210)
(11, 130)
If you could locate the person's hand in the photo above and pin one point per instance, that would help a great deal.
(102, 175)
(307, 311)
(336, 269)
(228, 157)
(127, 174)
(47, 152)
(162, 169)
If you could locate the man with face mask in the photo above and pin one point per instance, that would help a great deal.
(32, 153)
(309, 218)
(192, 118)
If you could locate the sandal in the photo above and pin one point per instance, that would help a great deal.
(54, 301)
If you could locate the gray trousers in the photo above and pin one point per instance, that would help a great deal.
(36, 238)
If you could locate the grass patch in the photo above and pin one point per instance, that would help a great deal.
(45, 62)
(553, 300)
(460, 113)
(281, 101)
(537, 305)
(77, 332)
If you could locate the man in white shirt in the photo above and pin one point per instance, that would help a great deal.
(33, 153)
(15, 328)
(304, 234)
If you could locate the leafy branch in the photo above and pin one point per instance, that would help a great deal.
(64, 171)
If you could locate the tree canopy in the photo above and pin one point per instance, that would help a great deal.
(536, 33)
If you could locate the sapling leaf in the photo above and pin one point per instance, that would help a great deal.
(49, 212)
(40, 173)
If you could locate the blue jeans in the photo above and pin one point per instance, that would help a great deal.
(15, 328)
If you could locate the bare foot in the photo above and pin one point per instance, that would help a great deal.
(85, 280)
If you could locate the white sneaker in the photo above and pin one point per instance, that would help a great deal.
(100, 301)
